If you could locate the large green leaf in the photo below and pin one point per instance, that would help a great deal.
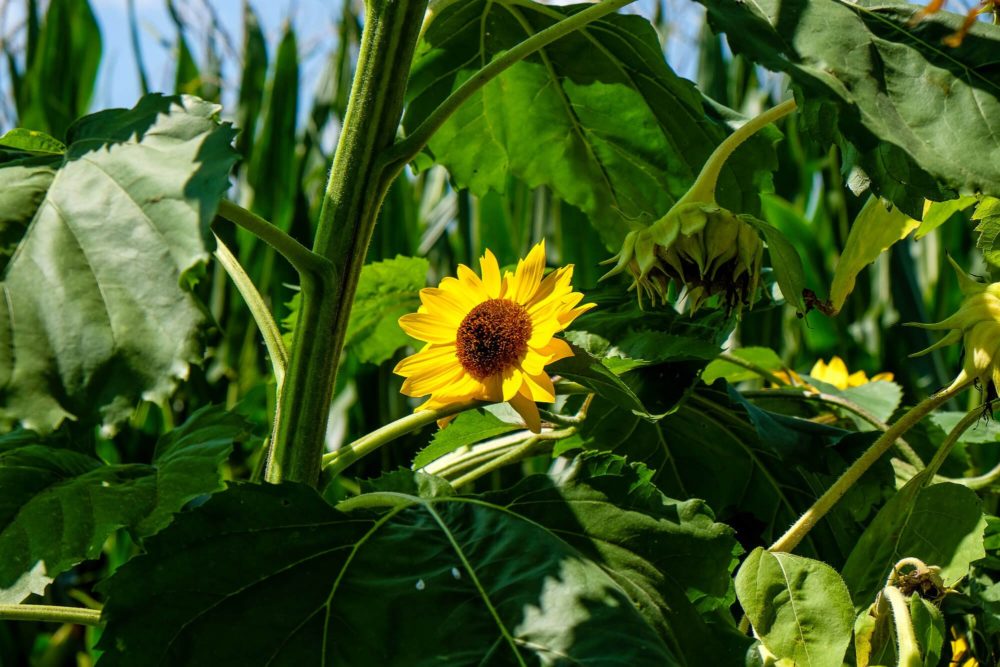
(58, 505)
(800, 608)
(915, 115)
(941, 524)
(97, 311)
(597, 115)
(440, 581)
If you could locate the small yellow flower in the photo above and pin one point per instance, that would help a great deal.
(961, 656)
(836, 373)
(489, 338)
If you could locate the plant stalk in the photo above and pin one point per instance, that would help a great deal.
(49, 614)
(826, 502)
(347, 218)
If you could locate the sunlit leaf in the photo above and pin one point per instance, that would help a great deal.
(800, 608)
(469, 428)
(97, 312)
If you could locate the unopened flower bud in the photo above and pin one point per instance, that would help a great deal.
(703, 247)
(977, 325)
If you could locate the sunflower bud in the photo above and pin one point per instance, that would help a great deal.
(703, 247)
(977, 325)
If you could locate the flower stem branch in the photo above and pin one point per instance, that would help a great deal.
(299, 256)
(703, 189)
(49, 614)
(405, 150)
(258, 309)
(826, 502)
(524, 450)
(338, 461)
(753, 368)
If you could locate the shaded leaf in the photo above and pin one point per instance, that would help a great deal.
(941, 524)
(915, 116)
(96, 311)
(800, 608)
(786, 262)
(762, 357)
(594, 375)
(58, 506)
(349, 581)
(987, 214)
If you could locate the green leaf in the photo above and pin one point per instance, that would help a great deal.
(928, 627)
(982, 432)
(874, 230)
(96, 311)
(32, 141)
(913, 114)
(593, 374)
(987, 214)
(941, 524)
(786, 262)
(597, 115)
(762, 357)
(800, 608)
(58, 506)
(468, 428)
(936, 213)
(330, 587)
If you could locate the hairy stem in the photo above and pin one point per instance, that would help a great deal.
(49, 613)
(703, 189)
(909, 647)
(347, 218)
(258, 309)
(299, 256)
(525, 450)
(826, 502)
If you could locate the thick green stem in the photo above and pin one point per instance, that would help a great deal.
(408, 148)
(353, 196)
(825, 503)
(49, 613)
(703, 189)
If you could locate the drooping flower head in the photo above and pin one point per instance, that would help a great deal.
(977, 325)
(490, 337)
(701, 246)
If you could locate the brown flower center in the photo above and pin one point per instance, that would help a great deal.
(493, 337)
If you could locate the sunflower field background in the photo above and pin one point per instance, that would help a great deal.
(536, 334)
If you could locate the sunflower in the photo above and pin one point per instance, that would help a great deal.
(489, 338)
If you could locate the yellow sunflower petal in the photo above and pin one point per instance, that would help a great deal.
(565, 319)
(553, 286)
(528, 411)
(541, 387)
(542, 332)
(512, 380)
(491, 274)
(460, 293)
(428, 383)
(427, 360)
(471, 282)
(427, 327)
(492, 388)
(443, 304)
(555, 350)
(528, 275)
(533, 362)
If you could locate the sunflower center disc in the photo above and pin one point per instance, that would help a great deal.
(493, 337)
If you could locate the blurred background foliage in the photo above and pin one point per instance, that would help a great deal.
(288, 122)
